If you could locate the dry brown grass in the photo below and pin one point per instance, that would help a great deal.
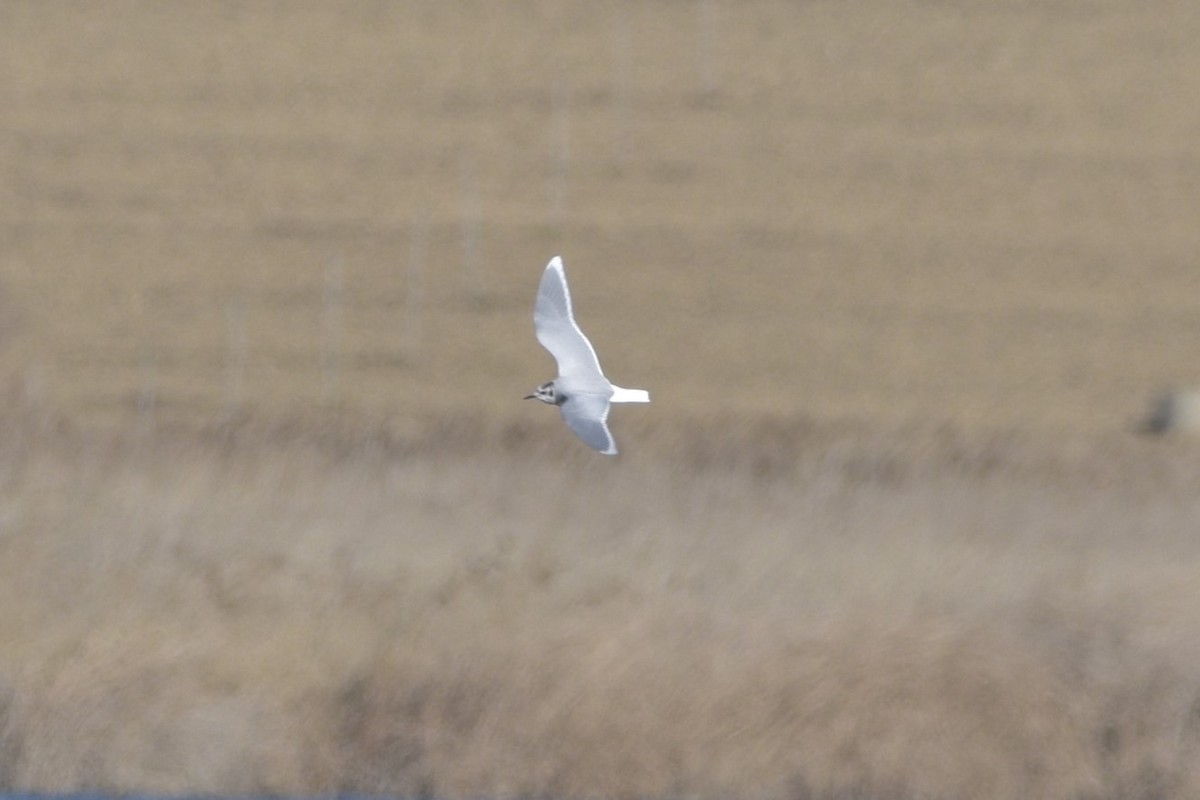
(262, 609)
(899, 275)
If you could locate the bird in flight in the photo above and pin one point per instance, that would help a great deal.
(580, 391)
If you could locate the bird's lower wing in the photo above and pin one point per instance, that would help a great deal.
(587, 415)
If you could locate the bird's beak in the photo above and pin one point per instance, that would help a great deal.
(530, 396)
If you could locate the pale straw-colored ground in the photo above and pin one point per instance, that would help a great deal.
(901, 277)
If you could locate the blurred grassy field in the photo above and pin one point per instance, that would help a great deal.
(980, 214)
(271, 610)
(901, 278)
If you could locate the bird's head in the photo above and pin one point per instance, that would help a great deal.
(546, 393)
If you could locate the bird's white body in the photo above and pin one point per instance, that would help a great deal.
(581, 391)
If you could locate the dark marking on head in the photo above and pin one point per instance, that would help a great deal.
(548, 393)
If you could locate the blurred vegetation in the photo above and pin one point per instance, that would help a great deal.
(901, 277)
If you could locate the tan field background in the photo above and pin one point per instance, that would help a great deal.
(902, 278)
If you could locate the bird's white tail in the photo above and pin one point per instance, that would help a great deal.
(629, 395)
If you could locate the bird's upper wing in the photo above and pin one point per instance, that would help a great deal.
(556, 329)
(587, 415)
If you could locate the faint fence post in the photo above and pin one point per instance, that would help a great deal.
(235, 355)
(147, 396)
(414, 289)
(331, 328)
(622, 80)
(708, 37)
(33, 385)
(470, 225)
(560, 153)
(147, 364)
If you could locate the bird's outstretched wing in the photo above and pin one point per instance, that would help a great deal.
(556, 329)
(587, 415)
